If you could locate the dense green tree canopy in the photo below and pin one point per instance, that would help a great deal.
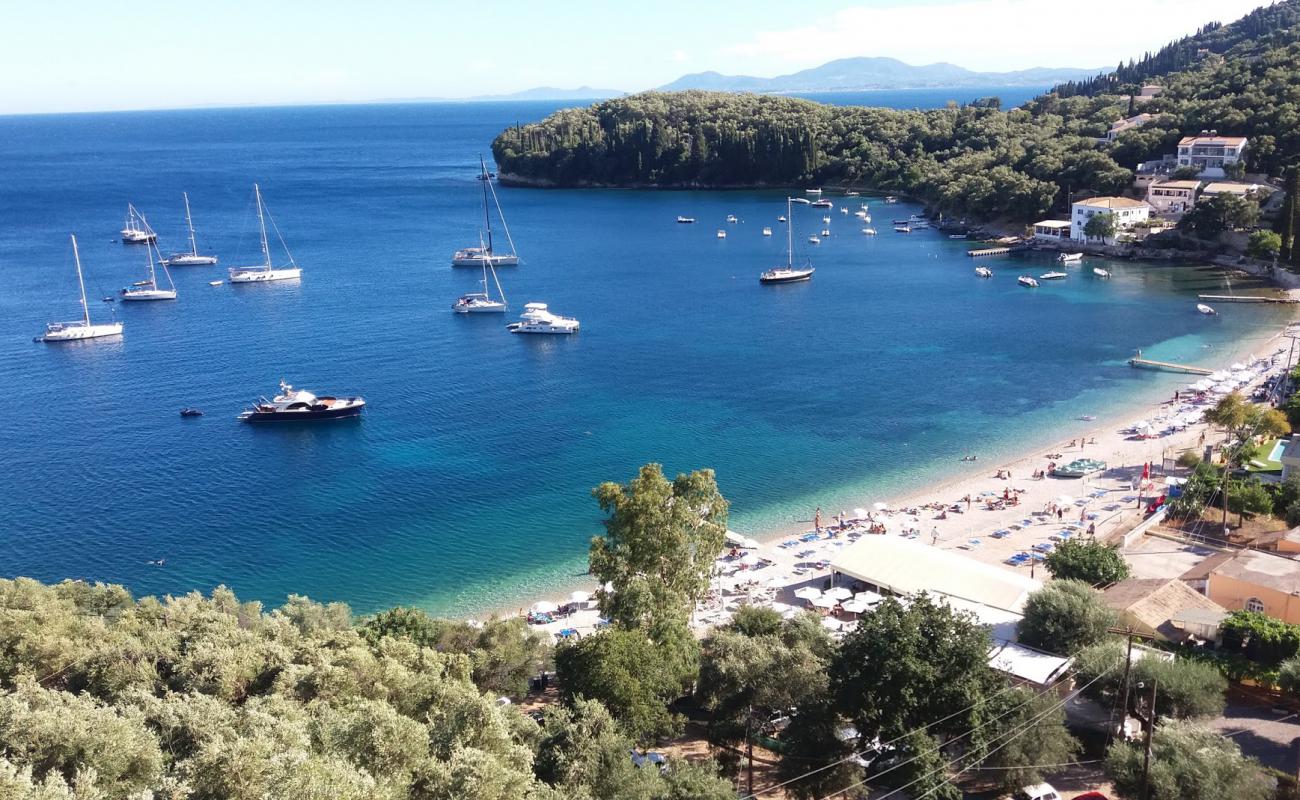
(1092, 562)
(1187, 763)
(629, 674)
(1064, 617)
(1188, 689)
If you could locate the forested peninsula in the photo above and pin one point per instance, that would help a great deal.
(978, 160)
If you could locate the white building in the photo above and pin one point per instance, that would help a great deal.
(1210, 152)
(1127, 213)
(1147, 94)
(1172, 197)
(1052, 230)
(1215, 188)
(1120, 125)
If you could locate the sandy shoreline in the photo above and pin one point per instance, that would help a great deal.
(1104, 501)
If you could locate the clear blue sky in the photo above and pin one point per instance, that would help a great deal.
(72, 55)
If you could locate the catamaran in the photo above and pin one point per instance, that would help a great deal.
(267, 271)
(473, 256)
(788, 273)
(137, 231)
(82, 328)
(192, 258)
(481, 302)
(149, 289)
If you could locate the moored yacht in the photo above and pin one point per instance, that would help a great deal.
(1025, 280)
(822, 204)
(1069, 258)
(537, 318)
(984, 272)
(191, 258)
(149, 289)
(731, 219)
(485, 252)
(1101, 273)
(789, 273)
(1053, 276)
(82, 328)
(137, 231)
(482, 302)
(292, 405)
(268, 271)
(767, 231)
(685, 220)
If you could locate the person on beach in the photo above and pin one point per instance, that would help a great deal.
(1092, 530)
(817, 519)
(934, 535)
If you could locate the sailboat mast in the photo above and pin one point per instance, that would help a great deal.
(148, 250)
(504, 225)
(487, 218)
(76, 256)
(189, 221)
(261, 223)
(789, 234)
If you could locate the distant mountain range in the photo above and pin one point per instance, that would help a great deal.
(853, 74)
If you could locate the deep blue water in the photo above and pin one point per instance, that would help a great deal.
(466, 483)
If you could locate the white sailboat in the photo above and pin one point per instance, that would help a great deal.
(482, 302)
(137, 231)
(192, 258)
(473, 256)
(82, 328)
(267, 271)
(788, 273)
(149, 289)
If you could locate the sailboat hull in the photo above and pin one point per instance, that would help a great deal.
(76, 331)
(492, 261)
(187, 260)
(148, 294)
(257, 275)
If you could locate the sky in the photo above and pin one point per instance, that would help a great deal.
(88, 55)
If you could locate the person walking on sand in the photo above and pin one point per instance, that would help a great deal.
(817, 519)
(934, 535)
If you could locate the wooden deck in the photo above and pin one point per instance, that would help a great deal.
(1146, 363)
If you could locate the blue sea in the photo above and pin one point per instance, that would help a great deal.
(466, 483)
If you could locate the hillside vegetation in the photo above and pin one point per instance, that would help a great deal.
(976, 160)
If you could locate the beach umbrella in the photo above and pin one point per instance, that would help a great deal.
(824, 602)
(859, 512)
(808, 593)
(868, 597)
(544, 607)
(580, 597)
(839, 593)
(856, 606)
(830, 623)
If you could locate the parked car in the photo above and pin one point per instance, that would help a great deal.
(1038, 791)
(1090, 796)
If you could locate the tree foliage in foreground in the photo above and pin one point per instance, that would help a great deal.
(1064, 617)
(1092, 562)
(206, 698)
(1186, 688)
(1187, 763)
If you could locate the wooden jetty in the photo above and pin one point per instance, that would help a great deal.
(990, 251)
(1245, 298)
(1146, 363)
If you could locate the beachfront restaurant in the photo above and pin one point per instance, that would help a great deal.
(1052, 230)
(898, 566)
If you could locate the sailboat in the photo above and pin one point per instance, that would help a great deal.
(482, 302)
(192, 258)
(149, 289)
(268, 271)
(788, 273)
(484, 253)
(137, 231)
(82, 328)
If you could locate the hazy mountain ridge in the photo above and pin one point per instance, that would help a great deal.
(848, 74)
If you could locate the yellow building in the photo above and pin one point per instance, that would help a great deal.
(1254, 580)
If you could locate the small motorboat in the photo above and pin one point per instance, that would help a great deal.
(891, 199)
(1025, 280)
(826, 232)
(1204, 309)
(956, 236)
(852, 193)
(109, 299)
(780, 219)
(191, 412)
(292, 405)
(731, 218)
(1100, 273)
(767, 231)
(902, 228)
(1053, 276)
(721, 233)
(984, 272)
(844, 210)
(812, 191)
(215, 283)
(822, 204)
(1069, 258)
(869, 231)
(685, 220)
(826, 220)
(814, 240)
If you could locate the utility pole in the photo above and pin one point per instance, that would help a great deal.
(1128, 663)
(1146, 753)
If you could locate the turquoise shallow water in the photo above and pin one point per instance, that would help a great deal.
(466, 483)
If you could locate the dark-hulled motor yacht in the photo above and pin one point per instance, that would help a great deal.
(292, 405)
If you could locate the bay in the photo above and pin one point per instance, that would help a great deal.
(466, 484)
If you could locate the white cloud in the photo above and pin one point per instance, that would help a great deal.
(680, 56)
(987, 34)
